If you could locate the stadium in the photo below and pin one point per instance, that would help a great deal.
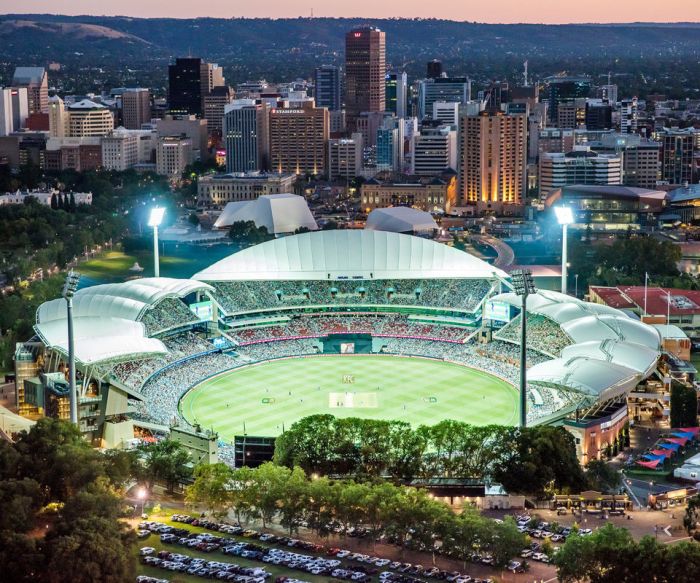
(350, 323)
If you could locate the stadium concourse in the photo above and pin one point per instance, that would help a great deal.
(143, 344)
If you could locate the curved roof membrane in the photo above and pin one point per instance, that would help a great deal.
(352, 254)
(106, 318)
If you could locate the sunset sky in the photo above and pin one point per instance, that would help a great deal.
(545, 11)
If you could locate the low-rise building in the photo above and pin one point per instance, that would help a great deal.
(43, 196)
(173, 155)
(220, 189)
(436, 194)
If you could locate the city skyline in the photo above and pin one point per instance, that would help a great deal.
(509, 12)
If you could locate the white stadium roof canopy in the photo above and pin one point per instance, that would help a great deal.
(352, 254)
(586, 376)
(278, 213)
(611, 352)
(400, 219)
(105, 319)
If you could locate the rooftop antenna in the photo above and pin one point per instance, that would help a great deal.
(525, 83)
(609, 74)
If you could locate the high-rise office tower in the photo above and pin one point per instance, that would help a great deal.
(565, 88)
(298, 139)
(190, 79)
(434, 151)
(629, 116)
(214, 103)
(345, 157)
(245, 134)
(390, 145)
(327, 87)
(396, 92)
(434, 69)
(136, 108)
(677, 154)
(581, 166)
(20, 107)
(365, 71)
(492, 159)
(449, 89)
(58, 117)
(598, 114)
(88, 119)
(36, 81)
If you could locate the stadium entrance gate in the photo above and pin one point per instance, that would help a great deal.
(347, 344)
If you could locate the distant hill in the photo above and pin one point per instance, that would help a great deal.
(285, 48)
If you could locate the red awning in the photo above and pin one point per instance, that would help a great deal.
(651, 465)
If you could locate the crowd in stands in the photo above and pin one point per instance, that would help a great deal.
(163, 390)
(247, 296)
(543, 335)
(134, 373)
(376, 324)
(168, 313)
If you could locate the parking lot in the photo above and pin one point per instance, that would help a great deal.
(187, 550)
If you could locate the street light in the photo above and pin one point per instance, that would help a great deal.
(69, 289)
(154, 220)
(565, 217)
(523, 286)
(141, 495)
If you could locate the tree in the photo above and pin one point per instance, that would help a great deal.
(55, 454)
(691, 519)
(19, 500)
(21, 558)
(684, 405)
(294, 499)
(602, 476)
(54, 201)
(193, 219)
(212, 488)
(506, 541)
(541, 458)
(90, 549)
(166, 461)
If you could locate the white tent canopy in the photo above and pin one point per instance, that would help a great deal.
(106, 318)
(400, 219)
(278, 213)
(354, 254)
(586, 376)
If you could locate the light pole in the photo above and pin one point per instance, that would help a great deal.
(69, 289)
(524, 286)
(141, 495)
(565, 217)
(154, 220)
(576, 286)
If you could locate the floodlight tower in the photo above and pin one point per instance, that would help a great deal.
(69, 289)
(565, 217)
(154, 220)
(523, 286)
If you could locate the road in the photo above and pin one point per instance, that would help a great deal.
(506, 256)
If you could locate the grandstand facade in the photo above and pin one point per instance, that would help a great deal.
(141, 345)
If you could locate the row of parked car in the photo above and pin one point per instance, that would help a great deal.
(366, 565)
(220, 570)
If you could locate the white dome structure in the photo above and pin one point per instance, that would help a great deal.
(349, 254)
(106, 319)
(400, 219)
(611, 352)
(278, 213)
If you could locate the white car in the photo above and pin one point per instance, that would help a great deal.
(145, 551)
(382, 562)
(342, 554)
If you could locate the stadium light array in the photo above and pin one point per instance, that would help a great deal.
(565, 217)
(69, 288)
(154, 220)
(523, 285)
